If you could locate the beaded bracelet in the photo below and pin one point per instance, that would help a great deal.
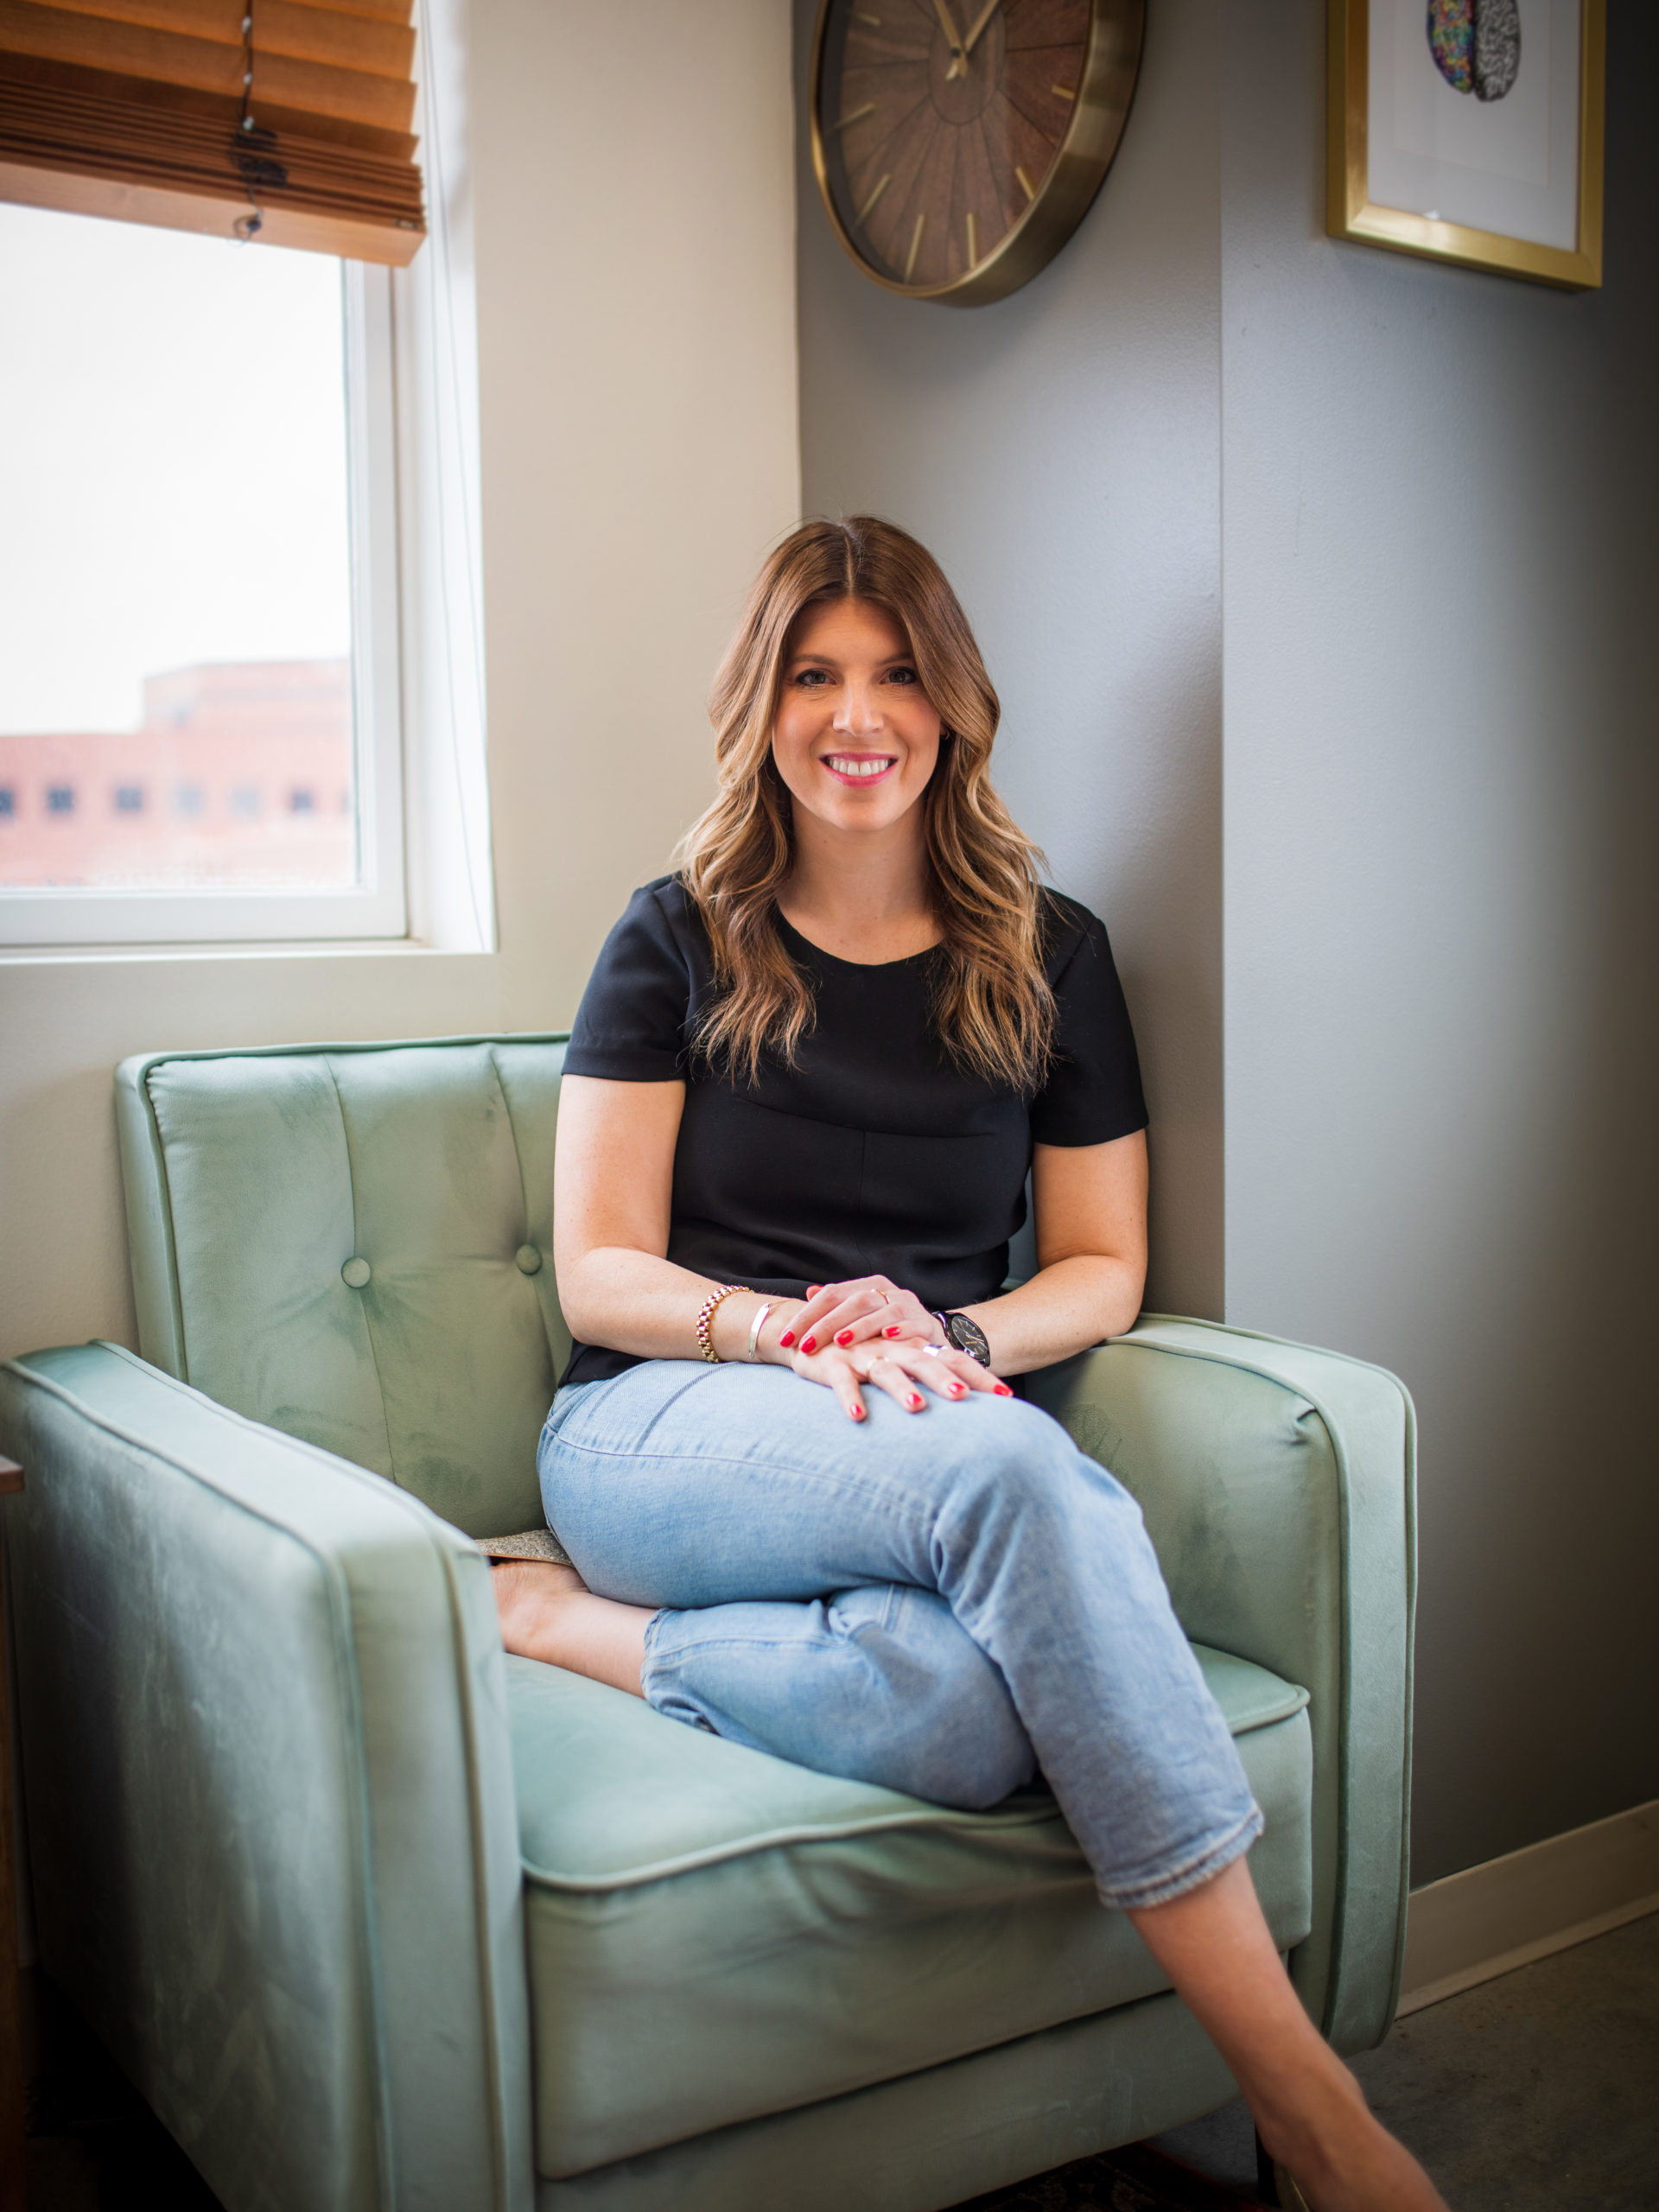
(706, 1314)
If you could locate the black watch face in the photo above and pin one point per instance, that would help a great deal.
(969, 1337)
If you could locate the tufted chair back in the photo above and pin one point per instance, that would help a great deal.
(355, 1243)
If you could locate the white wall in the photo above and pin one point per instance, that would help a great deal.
(634, 226)
(1059, 453)
(1441, 715)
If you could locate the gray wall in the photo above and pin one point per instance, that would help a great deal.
(1353, 555)
(1442, 852)
(1059, 452)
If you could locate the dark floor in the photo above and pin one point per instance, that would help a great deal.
(1535, 2093)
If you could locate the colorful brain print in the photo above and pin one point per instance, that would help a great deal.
(1476, 44)
(1452, 41)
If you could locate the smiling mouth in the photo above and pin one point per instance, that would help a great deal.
(860, 768)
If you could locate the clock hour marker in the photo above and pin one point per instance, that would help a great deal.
(972, 240)
(915, 246)
(875, 195)
(857, 116)
(1026, 184)
(1063, 91)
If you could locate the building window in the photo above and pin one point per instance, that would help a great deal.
(199, 566)
(302, 801)
(7, 803)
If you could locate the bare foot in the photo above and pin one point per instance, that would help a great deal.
(548, 1613)
(1344, 2159)
(530, 1597)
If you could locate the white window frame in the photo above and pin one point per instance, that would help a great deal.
(376, 907)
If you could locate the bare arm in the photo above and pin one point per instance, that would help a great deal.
(1090, 1206)
(613, 1179)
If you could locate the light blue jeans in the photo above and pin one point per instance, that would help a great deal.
(940, 1602)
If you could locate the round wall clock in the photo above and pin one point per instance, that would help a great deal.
(959, 143)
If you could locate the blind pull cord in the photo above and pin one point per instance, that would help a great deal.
(252, 149)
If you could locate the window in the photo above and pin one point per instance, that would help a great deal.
(198, 590)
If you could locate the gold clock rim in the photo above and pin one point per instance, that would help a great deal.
(1110, 72)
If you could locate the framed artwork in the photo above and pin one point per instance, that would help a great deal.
(1471, 132)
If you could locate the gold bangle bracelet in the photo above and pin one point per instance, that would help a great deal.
(706, 1314)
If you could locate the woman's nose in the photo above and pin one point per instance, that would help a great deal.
(859, 711)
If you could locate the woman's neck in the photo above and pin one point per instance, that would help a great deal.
(864, 900)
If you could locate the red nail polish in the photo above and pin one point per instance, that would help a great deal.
(914, 1402)
(858, 1413)
(895, 1331)
(787, 1338)
(958, 1390)
(811, 1344)
(843, 1336)
(1003, 1391)
(813, 1288)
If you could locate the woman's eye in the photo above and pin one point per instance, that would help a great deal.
(809, 679)
(902, 675)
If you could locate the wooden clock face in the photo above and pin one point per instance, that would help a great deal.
(959, 141)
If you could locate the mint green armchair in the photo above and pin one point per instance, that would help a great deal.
(377, 1918)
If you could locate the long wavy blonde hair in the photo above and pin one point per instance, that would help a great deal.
(992, 1007)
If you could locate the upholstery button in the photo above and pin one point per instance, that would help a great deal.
(529, 1259)
(355, 1274)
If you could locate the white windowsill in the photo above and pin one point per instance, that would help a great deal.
(37, 956)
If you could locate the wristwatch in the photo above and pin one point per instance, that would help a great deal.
(967, 1336)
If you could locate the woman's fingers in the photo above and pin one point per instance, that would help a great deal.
(952, 1374)
(836, 1312)
(905, 1370)
(821, 1298)
(846, 1389)
(889, 1373)
(835, 1372)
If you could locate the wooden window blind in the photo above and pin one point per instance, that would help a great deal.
(288, 120)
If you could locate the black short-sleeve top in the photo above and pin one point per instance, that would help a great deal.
(875, 1153)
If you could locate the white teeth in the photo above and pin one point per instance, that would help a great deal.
(848, 766)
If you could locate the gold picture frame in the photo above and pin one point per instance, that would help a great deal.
(1357, 204)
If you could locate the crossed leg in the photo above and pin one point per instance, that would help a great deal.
(1012, 1537)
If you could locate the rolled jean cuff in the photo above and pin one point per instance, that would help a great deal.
(659, 1675)
(1193, 1872)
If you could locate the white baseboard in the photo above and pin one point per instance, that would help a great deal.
(1491, 1919)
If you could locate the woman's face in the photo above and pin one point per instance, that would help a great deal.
(856, 737)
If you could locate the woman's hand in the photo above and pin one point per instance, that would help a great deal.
(901, 1366)
(851, 1312)
(850, 1334)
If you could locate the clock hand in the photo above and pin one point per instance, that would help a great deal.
(956, 61)
(985, 15)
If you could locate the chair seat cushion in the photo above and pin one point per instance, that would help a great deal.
(714, 1934)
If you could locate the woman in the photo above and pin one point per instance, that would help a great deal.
(806, 1083)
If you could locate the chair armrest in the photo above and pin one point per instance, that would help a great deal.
(1277, 1486)
(269, 1803)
